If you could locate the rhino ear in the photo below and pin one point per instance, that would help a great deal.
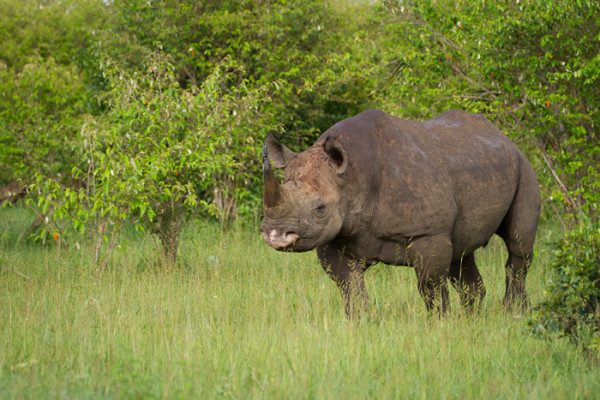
(276, 153)
(337, 155)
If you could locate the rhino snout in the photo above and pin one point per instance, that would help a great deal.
(279, 240)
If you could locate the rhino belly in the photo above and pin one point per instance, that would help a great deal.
(478, 219)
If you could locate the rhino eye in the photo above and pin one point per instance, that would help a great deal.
(321, 208)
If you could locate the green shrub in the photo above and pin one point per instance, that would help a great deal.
(571, 306)
(156, 157)
(39, 107)
(49, 79)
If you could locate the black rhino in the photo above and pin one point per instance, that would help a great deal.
(376, 188)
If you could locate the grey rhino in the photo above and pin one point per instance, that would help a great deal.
(376, 188)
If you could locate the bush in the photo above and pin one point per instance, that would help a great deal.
(157, 156)
(571, 306)
(39, 107)
(307, 47)
(49, 78)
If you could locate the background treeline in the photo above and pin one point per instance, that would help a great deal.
(151, 113)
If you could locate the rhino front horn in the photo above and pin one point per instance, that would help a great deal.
(272, 194)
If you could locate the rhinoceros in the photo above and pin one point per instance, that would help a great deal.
(426, 194)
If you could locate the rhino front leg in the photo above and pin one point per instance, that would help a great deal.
(348, 274)
(431, 256)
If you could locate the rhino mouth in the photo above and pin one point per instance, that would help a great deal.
(288, 241)
(280, 241)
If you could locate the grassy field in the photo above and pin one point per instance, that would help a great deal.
(238, 320)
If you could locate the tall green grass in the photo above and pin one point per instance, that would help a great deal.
(236, 319)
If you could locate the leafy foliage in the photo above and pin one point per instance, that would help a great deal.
(572, 302)
(39, 107)
(48, 79)
(294, 44)
(63, 30)
(155, 156)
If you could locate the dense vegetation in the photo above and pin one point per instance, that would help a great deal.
(151, 114)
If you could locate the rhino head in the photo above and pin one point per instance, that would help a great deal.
(307, 209)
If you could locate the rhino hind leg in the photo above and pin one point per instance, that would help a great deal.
(515, 297)
(520, 256)
(465, 278)
(518, 232)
